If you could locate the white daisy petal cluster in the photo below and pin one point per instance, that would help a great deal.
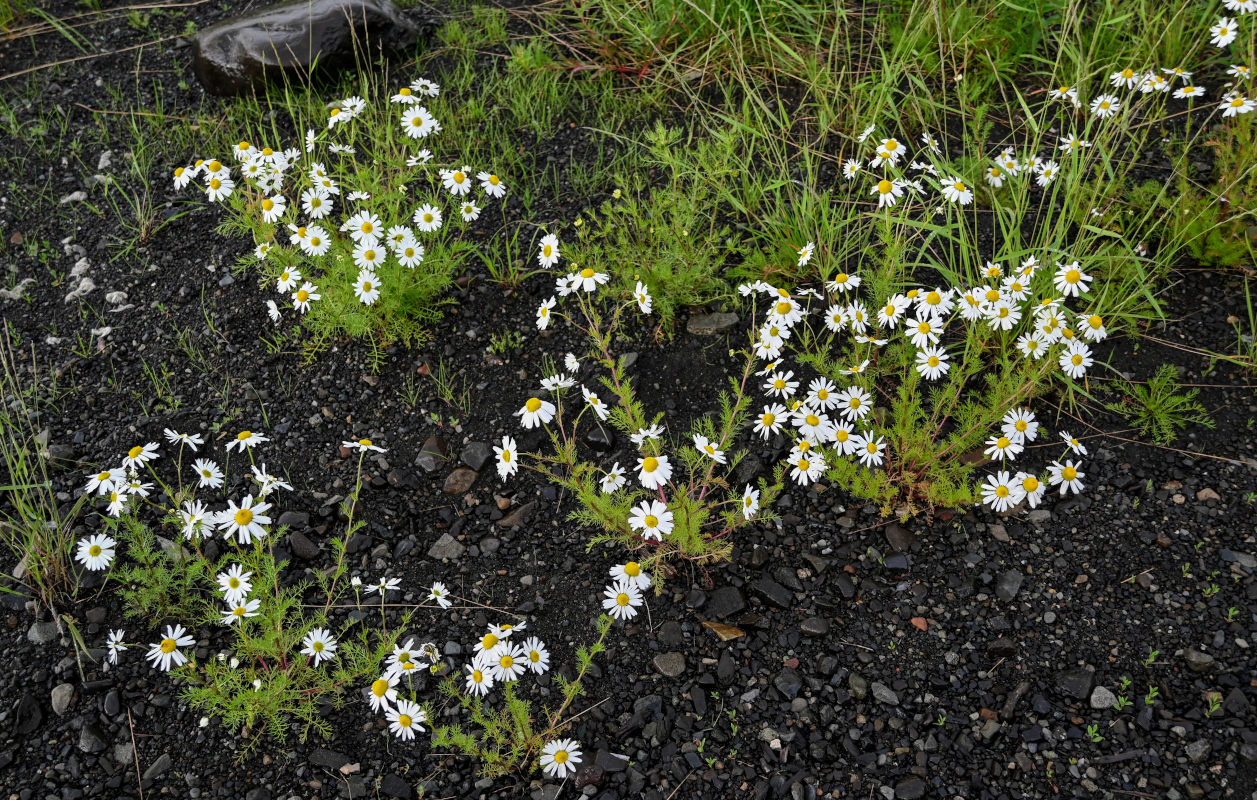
(294, 199)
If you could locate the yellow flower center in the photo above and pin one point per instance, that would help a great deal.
(1077, 360)
(890, 310)
(651, 521)
(334, 112)
(621, 599)
(1073, 276)
(933, 361)
(1030, 483)
(892, 145)
(403, 720)
(779, 384)
(379, 688)
(855, 402)
(1069, 473)
(214, 166)
(302, 295)
(239, 611)
(459, 177)
(243, 517)
(923, 327)
(1003, 312)
(94, 550)
(783, 308)
(842, 435)
(812, 419)
(233, 583)
(804, 465)
(366, 286)
(506, 456)
(1095, 322)
(560, 757)
(533, 404)
(587, 273)
(135, 451)
(268, 204)
(958, 186)
(884, 186)
(317, 646)
(477, 676)
(822, 394)
(1128, 73)
(633, 569)
(404, 91)
(1002, 491)
(650, 464)
(871, 447)
(168, 645)
(841, 278)
(545, 251)
(489, 641)
(215, 184)
(1022, 425)
(992, 295)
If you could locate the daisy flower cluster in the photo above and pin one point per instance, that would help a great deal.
(1020, 310)
(404, 716)
(359, 233)
(671, 498)
(300, 645)
(124, 490)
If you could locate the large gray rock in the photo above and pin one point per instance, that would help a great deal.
(282, 42)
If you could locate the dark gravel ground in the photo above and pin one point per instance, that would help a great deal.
(965, 656)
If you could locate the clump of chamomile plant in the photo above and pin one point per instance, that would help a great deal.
(675, 502)
(356, 228)
(898, 380)
(291, 658)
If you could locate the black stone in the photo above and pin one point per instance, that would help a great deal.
(302, 547)
(1009, 585)
(283, 42)
(788, 682)
(725, 601)
(600, 438)
(773, 592)
(1075, 683)
(910, 789)
(328, 758)
(28, 717)
(92, 739)
(433, 454)
(393, 786)
(476, 455)
(899, 538)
